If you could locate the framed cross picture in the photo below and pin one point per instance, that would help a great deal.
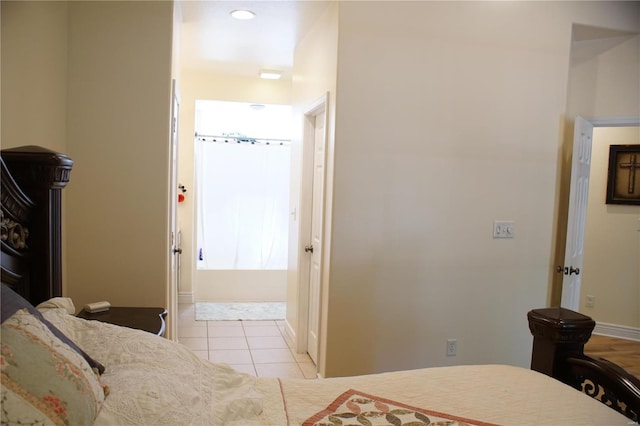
(623, 182)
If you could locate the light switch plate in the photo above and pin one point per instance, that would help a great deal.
(504, 229)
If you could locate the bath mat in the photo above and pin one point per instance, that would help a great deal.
(206, 311)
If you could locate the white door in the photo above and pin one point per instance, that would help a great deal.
(314, 249)
(174, 248)
(577, 216)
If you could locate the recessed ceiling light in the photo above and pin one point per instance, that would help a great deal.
(243, 14)
(270, 74)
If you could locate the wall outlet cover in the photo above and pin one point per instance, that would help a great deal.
(452, 347)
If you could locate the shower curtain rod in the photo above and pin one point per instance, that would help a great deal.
(242, 138)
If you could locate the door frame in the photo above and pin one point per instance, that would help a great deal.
(306, 193)
(573, 301)
(172, 291)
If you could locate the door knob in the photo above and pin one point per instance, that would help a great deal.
(567, 270)
(308, 249)
(177, 250)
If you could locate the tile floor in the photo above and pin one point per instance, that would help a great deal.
(255, 347)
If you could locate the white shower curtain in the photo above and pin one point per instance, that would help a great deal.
(243, 204)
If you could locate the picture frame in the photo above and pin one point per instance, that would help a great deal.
(623, 177)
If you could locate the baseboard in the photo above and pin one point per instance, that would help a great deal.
(619, 331)
(290, 335)
(184, 297)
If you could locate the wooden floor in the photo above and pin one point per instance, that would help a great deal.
(625, 353)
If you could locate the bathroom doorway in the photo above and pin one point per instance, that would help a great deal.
(242, 177)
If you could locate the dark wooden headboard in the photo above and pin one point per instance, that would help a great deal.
(32, 178)
(559, 336)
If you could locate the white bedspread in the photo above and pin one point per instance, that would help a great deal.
(154, 381)
(495, 394)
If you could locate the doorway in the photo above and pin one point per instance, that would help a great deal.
(242, 165)
(589, 215)
(313, 215)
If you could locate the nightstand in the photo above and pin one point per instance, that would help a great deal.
(147, 319)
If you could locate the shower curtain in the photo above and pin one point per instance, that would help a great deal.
(243, 204)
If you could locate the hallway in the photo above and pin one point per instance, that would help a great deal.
(255, 347)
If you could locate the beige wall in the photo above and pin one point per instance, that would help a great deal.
(92, 79)
(447, 119)
(597, 67)
(34, 74)
(612, 241)
(119, 87)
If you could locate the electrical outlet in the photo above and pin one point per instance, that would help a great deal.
(591, 301)
(452, 347)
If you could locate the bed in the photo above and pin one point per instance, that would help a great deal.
(61, 369)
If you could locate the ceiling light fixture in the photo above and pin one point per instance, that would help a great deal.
(243, 14)
(270, 74)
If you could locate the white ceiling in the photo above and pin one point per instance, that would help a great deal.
(211, 39)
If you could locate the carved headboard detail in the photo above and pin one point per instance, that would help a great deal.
(14, 233)
(596, 378)
(15, 217)
(32, 178)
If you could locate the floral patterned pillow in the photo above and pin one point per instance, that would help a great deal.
(44, 381)
(12, 302)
